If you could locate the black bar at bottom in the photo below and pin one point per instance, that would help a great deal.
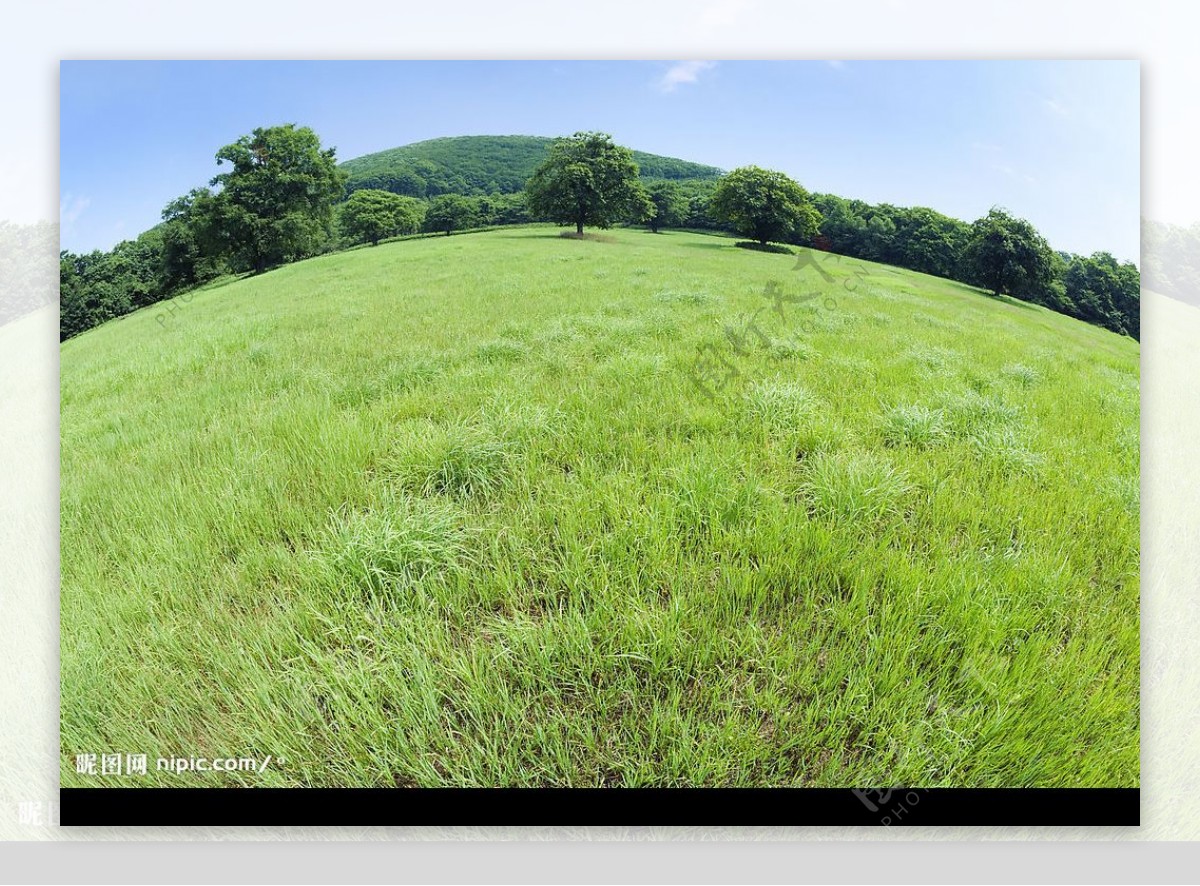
(599, 806)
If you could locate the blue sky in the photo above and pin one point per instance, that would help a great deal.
(1055, 142)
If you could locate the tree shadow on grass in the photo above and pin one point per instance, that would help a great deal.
(693, 245)
(1015, 302)
(588, 235)
(988, 294)
(218, 283)
(770, 248)
(562, 235)
(530, 237)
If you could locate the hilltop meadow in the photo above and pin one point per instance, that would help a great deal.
(656, 475)
(513, 508)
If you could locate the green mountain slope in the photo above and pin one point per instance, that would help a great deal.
(482, 164)
(514, 509)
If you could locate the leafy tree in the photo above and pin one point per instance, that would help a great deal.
(499, 209)
(369, 216)
(135, 266)
(27, 268)
(194, 248)
(696, 213)
(74, 314)
(842, 224)
(928, 241)
(449, 212)
(765, 206)
(410, 213)
(587, 179)
(409, 183)
(879, 237)
(669, 205)
(94, 288)
(99, 286)
(276, 203)
(1104, 291)
(1008, 255)
(503, 209)
(1127, 298)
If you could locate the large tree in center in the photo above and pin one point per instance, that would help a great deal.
(587, 179)
(369, 216)
(276, 202)
(765, 205)
(1008, 256)
(450, 212)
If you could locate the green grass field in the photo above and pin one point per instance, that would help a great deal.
(457, 511)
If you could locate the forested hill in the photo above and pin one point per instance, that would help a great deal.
(483, 164)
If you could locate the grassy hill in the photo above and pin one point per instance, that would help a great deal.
(510, 508)
(482, 164)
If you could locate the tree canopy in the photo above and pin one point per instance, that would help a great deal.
(369, 216)
(276, 202)
(1008, 256)
(1101, 290)
(765, 205)
(448, 213)
(669, 206)
(587, 179)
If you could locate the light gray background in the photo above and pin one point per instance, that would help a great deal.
(1158, 32)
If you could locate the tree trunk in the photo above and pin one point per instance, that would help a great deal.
(578, 227)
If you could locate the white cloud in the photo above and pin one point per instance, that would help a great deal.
(1014, 174)
(1055, 106)
(681, 73)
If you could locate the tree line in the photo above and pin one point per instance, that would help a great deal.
(283, 197)
(1001, 253)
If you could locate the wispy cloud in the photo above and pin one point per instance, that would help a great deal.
(1015, 174)
(1055, 106)
(70, 208)
(683, 72)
